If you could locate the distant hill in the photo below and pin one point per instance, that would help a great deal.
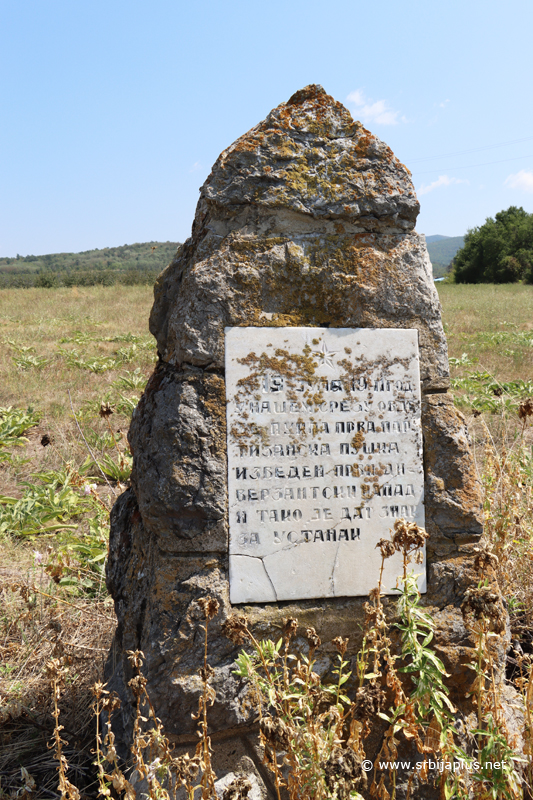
(435, 238)
(441, 251)
(133, 263)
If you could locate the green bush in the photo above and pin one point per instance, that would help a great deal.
(500, 251)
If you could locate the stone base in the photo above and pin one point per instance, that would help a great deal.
(157, 572)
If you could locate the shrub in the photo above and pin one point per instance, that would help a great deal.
(500, 251)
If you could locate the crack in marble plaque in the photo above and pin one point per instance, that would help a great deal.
(324, 454)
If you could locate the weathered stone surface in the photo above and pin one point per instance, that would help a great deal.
(452, 488)
(232, 753)
(179, 474)
(310, 156)
(342, 279)
(272, 246)
(307, 220)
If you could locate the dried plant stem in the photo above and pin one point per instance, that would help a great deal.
(88, 447)
(102, 787)
(106, 418)
(208, 774)
(380, 581)
(68, 791)
(66, 603)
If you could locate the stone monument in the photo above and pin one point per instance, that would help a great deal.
(298, 407)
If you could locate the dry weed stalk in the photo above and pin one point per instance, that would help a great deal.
(507, 480)
(154, 761)
(38, 629)
(420, 710)
(57, 669)
(104, 701)
(484, 616)
(210, 607)
(525, 684)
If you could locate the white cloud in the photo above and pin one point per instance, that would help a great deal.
(442, 180)
(196, 166)
(370, 111)
(521, 180)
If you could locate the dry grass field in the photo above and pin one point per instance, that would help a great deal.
(78, 340)
(63, 353)
(73, 363)
(493, 324)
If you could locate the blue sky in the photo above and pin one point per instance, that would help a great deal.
(113, 112)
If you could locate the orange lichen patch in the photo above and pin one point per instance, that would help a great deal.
(357, 441)
(249, 145)
(366, 139)
(312, 101)
(313, 92)
(212, 393)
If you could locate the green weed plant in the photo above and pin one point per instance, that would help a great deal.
(62, 508)
(14, 422)
(481, 391)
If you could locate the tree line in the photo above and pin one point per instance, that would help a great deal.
(128, 265)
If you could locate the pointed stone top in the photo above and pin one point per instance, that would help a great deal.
(313, 91)
(310, 156)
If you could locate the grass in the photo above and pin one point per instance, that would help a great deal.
(89, 347)
(490, 340)
(90, 341)
(87, 323)
(79, 358)
(493, 325)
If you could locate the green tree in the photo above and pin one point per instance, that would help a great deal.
(500, 251)
(47, 280)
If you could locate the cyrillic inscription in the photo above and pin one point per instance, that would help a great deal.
(324, 453)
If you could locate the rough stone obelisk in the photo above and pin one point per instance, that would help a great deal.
(306, 221)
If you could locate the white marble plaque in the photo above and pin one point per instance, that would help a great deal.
(324, 454)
